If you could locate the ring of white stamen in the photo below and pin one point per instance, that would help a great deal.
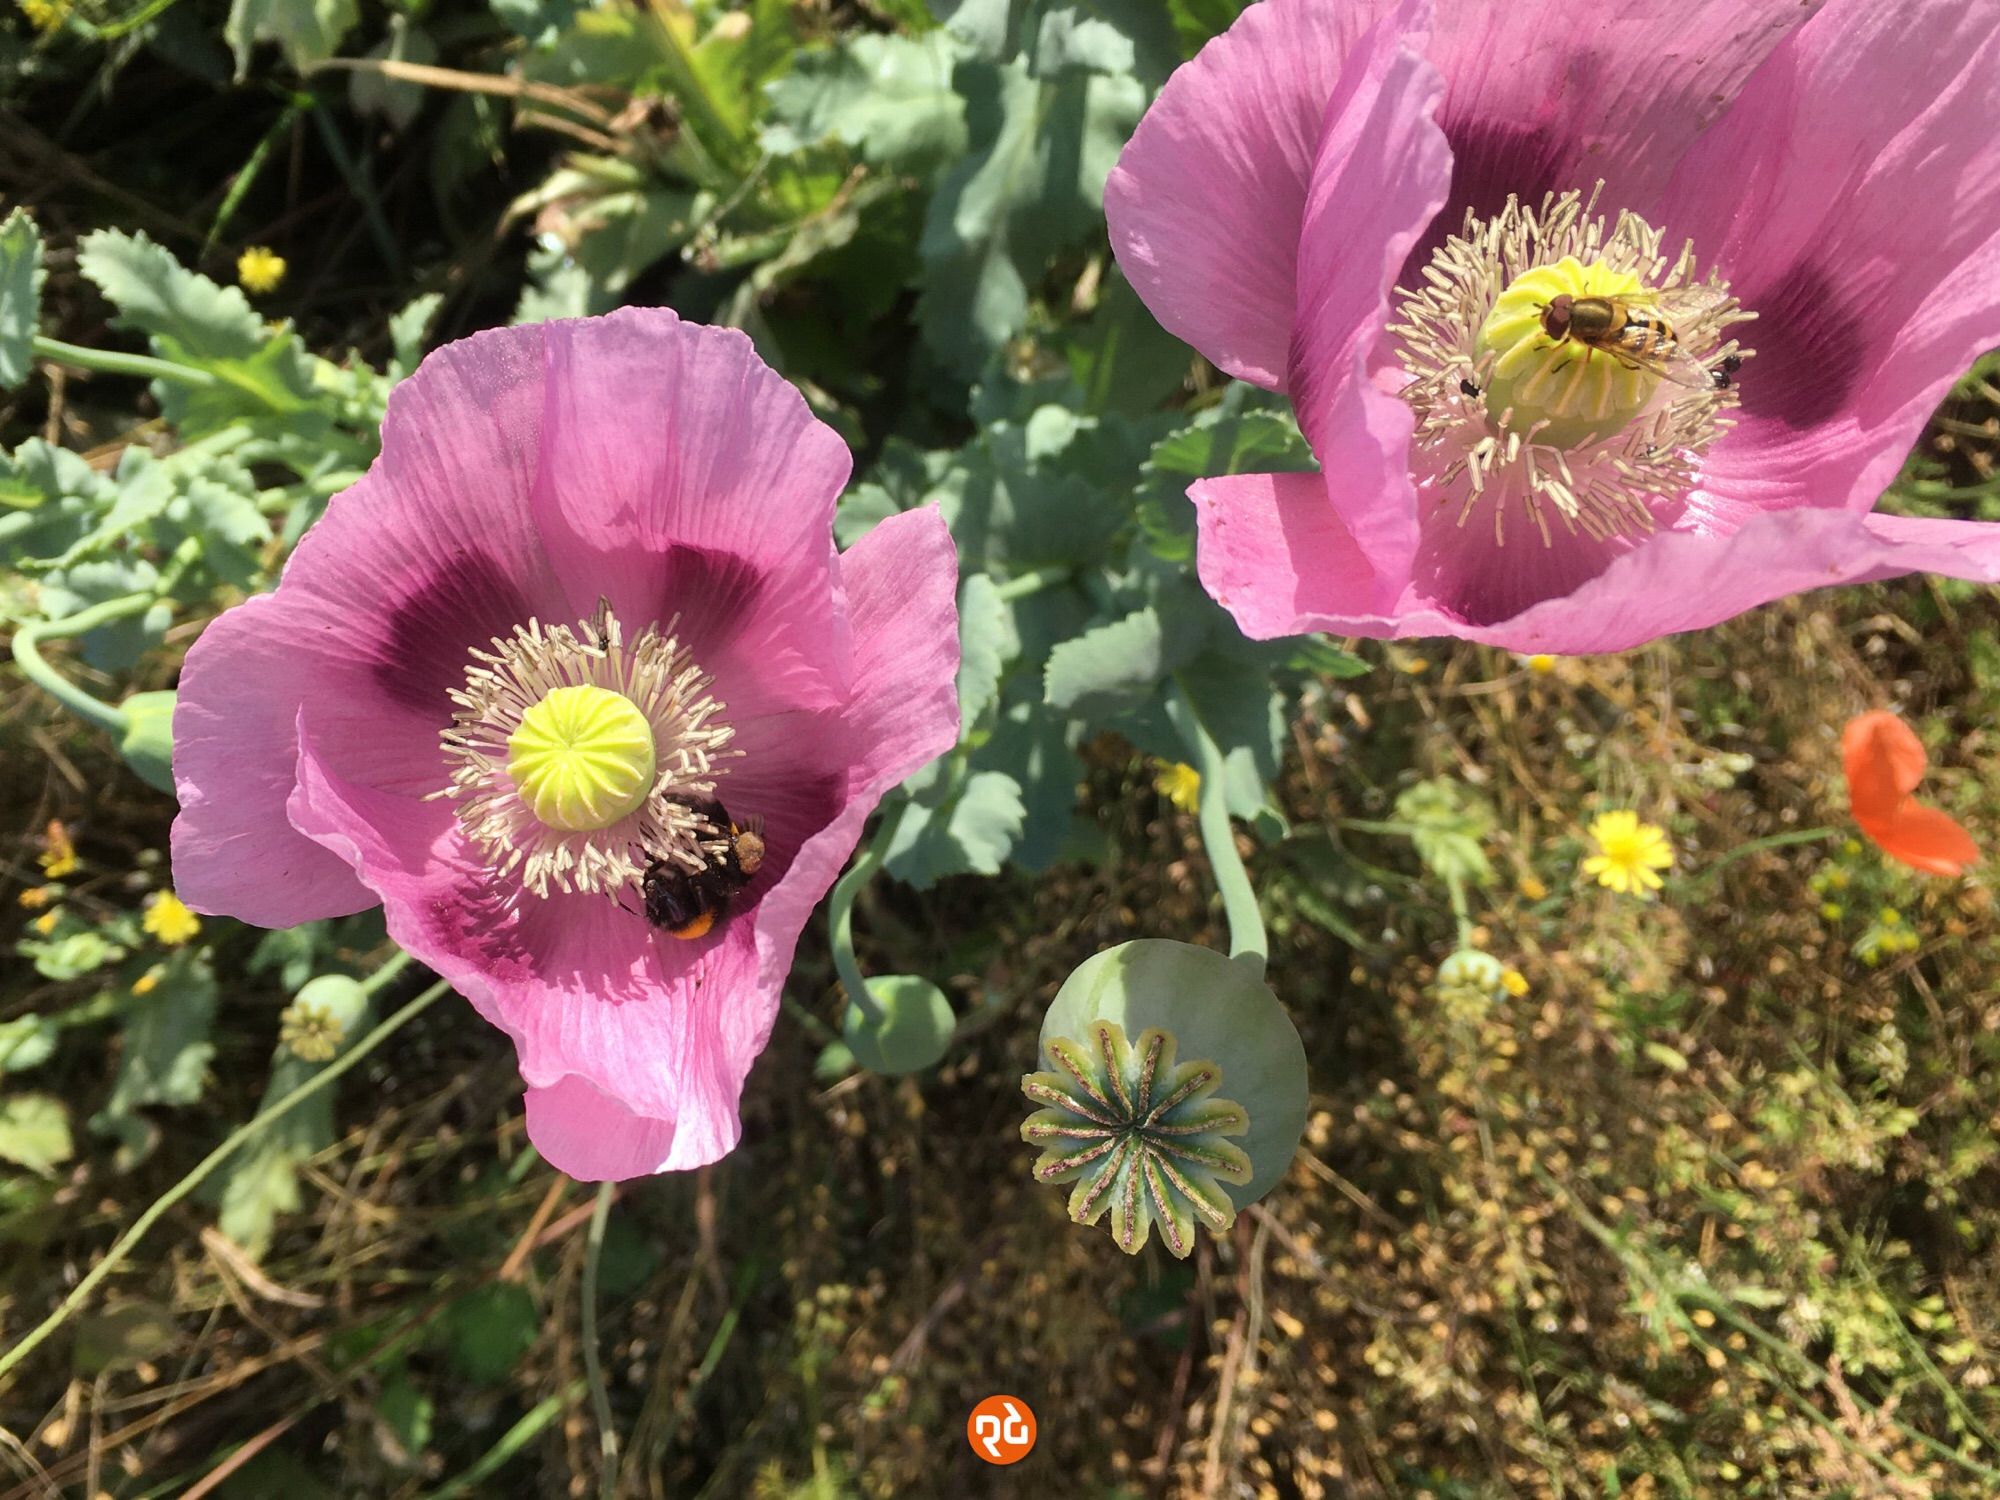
(1597, 457)
(505, 685)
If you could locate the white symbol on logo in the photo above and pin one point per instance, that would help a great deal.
(993, 1432)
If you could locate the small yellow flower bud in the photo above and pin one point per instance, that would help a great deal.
(58, 856)
(260, 269)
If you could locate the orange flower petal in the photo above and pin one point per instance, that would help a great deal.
(1925, 839)
(1885, 761)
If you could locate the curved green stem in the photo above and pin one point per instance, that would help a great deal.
(840, 917)
(1461, 909)
(115, 362)
(1022, 585)
(1239, 897)
(28, 656)
(115, 1256)
(593, 1365)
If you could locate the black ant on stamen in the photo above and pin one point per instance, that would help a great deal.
(1466, 387)
(1725, 372)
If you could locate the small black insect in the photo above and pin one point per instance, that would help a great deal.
(687, 904)
(1726, 371)
(1468, 388)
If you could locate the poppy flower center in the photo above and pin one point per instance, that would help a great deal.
(1564, 370)
(582, 758)
(579, 759)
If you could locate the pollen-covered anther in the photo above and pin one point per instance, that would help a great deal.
(1142, 1137)
(1564, 369)
(577, 758)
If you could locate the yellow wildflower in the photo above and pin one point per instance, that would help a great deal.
(45, 923)
(1514, 982)
(58, 852)
(149, 981)
(35, 897)
(169, 920)
(259, 269)
(44, 15)
(1179, 784)
(1531, 888)
(1629, 853)
(1541, 664)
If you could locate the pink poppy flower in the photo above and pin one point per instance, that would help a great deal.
(1604, 322)
(583, 614)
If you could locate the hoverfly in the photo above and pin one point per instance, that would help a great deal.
(1632, 332)
(687, 904)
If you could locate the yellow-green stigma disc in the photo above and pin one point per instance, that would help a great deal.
(1580, 392)
(583, 758)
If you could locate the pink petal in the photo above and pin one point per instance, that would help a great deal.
(1379, 177)
(1549, 95)
(1275, 553)
(433, 551)
(1207, 199)
(1271, 555)
(1852, 197)
(586, 1133)
(681, 475)
(901, 581)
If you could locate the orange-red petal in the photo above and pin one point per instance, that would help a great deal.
(1885, 762)
(1925, 839)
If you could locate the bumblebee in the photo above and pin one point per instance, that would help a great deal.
(686, 903)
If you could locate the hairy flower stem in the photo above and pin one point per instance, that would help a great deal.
(36, 669)
(1025, 584)
(112, 362)
(593, 1365)
(203, 1169)
(840, 917)
(1239, 897)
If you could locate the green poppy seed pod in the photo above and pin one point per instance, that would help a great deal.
(1177, 1091)
(1468, 982)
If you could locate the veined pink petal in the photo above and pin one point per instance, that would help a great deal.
(1380, 175)
(1207, 203)
(1273, 551)
(594, 1136)
(433, 551)
(1852, 196)
(901, 581)
(1262, 559)
(681, 476)
(1550, 95)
